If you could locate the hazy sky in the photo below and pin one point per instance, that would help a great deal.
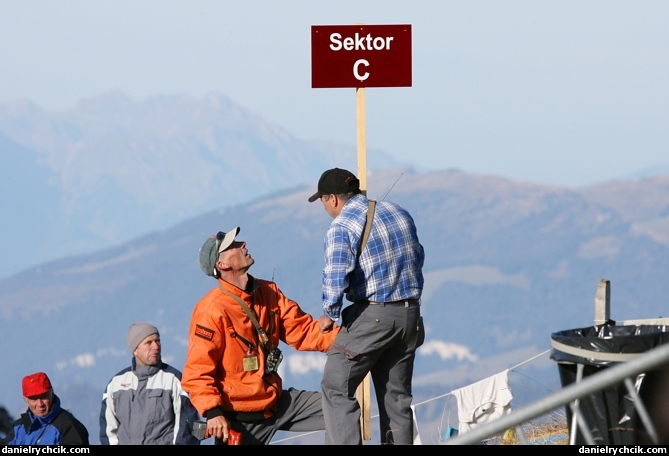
(558, 92)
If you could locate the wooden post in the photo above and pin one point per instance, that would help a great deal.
(603, 302)
(363, 391)
(360, 108)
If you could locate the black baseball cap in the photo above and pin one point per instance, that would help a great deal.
(336, 181)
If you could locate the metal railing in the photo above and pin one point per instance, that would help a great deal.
(619, 373)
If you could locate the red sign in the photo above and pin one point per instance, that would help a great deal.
(360, 56)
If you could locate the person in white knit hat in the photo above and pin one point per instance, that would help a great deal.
(144, 404)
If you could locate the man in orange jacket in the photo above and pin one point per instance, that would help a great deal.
(233, 350)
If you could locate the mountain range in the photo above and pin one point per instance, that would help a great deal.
(112, 168)
(507, 263)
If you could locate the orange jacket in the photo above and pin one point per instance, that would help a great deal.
(214, 374)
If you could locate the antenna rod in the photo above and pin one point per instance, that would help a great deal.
(391, 187)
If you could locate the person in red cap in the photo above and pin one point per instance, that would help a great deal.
(45, 422)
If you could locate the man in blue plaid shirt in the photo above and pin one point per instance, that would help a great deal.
(382, 328)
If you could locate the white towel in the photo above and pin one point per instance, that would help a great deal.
(483, 401)
(416, 435)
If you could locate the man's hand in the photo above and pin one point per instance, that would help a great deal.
(325, 323)
(219, 427)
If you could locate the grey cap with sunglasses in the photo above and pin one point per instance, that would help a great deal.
(213, 247)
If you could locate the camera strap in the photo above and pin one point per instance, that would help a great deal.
(368, 226)
(261, 332)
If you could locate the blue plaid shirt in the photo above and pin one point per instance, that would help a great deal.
(390, 266)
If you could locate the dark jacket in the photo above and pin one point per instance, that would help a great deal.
(59, 427)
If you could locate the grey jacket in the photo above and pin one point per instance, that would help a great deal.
(145, 405)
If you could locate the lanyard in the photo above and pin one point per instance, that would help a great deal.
(261, 332)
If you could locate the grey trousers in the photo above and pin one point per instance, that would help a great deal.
(297, 411)
(381, 340)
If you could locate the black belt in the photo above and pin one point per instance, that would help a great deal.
(402, 302)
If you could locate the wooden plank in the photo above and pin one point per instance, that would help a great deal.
(363, 390)
(360, 111)
(364, 399)
(603, 302)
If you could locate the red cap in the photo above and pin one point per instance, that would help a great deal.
(36, 384)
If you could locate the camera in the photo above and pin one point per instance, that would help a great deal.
(199, 429)
(274, 357)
